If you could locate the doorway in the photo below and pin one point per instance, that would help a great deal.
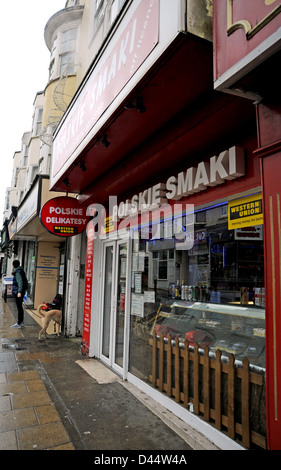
(114, 305)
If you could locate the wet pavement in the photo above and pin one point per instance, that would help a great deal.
(53, 398)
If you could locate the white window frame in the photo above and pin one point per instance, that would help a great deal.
(70, 56)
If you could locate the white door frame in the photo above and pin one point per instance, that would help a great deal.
(106, 245)
(110, 361)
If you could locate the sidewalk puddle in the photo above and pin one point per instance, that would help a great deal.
(15, 345)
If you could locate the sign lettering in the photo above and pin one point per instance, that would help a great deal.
(64, 217)
(230, 164)
(246, 23)
(245, 212)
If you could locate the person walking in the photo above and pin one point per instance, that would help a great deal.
(18, 290)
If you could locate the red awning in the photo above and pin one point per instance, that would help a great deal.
(172, 117)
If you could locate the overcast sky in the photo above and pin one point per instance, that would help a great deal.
(24, 72)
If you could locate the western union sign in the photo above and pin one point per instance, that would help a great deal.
(245, 212)
(108, 224)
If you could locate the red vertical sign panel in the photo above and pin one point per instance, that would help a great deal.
(88, 291)
(269, 138)
(272, 209)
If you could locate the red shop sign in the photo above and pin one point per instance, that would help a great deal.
(63, 216)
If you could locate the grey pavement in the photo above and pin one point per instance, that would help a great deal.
(53, 398)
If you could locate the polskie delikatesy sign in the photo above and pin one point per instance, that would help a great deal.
(63, 216)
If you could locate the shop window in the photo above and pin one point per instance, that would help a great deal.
(215, 287)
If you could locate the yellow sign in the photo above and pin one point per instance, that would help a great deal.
(109, 224)
(67, 230)
(245, 212)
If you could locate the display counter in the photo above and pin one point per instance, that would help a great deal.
(233, 330)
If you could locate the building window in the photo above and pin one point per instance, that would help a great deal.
(98, 4)
(114, 10)
(25, 155)
(51, 69)
(67, 63)
(34, 172)
(68, 40)
(16, 174)
(21, 196)
(7, 200)
(116, 7)
(37, 122)
(53, 58)
(54, 48)
(67, 50)
(62, 60)
(99, 13)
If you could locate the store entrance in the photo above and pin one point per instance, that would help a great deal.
(113, 324)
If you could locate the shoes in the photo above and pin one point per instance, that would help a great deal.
(18, 326)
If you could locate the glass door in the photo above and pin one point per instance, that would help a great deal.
(120, 289)
(114, 303)
(108, 305)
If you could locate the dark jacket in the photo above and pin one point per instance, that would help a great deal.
(19, 284)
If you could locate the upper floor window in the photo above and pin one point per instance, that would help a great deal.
(99, 13)
(37, 122)
(51, 69)
(7, 200)
(67, 50)
(25, 155)
(54, 48)
(67, 63)
(116, 7)
(15, 177)
(63, 53)
(68, 40)
(72, 3)
(112, 7)
(98, 4)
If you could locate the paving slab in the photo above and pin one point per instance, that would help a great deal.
(8, 441)
(42, 437)
(15, 419)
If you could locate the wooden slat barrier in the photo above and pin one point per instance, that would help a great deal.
(184, 373)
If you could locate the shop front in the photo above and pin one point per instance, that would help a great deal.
(190, 271)
(178, 266)
(38, 250)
